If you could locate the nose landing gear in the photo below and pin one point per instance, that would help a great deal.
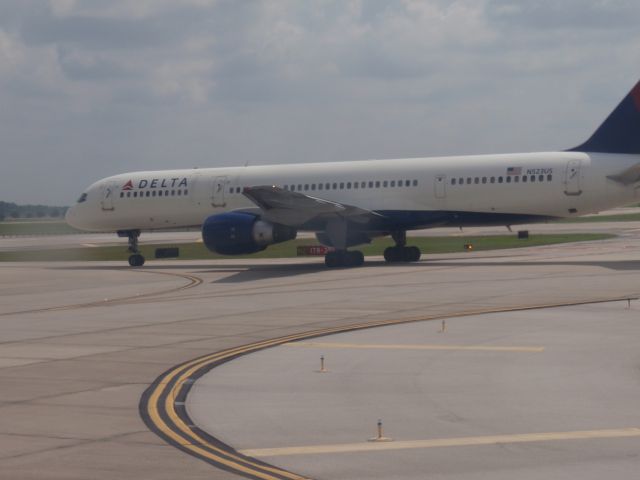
(135, 259)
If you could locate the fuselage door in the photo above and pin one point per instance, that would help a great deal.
(572, 178)
(108, 194)
(440, 186)
(218, 192)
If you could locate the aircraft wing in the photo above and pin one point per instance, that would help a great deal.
(295, 208)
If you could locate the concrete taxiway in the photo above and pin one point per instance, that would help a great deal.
(81, 342)
(524, 394)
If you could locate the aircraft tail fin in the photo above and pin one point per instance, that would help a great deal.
(620, 132)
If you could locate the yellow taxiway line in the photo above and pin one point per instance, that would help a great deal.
(383, 346)
(443, 442)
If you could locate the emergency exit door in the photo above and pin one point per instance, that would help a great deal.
(572, 179)
(218, 193)
(108, 194)
(440, 186)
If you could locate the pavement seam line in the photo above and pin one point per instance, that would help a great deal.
(445, 442)
(383, 346)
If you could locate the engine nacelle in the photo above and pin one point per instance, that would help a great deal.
(238, 233)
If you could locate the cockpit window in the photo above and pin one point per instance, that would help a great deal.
(82, 198)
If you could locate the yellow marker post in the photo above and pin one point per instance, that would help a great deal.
(444, 326)
(322, 369)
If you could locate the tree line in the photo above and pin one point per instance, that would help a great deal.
(11, 211)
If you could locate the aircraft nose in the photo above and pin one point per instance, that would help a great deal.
(70, 216)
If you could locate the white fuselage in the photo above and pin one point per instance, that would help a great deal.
(558, 184)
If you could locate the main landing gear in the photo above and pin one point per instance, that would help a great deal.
(135, 259)
(400, 252)
(344, 258)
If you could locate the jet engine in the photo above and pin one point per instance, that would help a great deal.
(239, 233)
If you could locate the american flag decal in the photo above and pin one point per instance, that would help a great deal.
(514, 171)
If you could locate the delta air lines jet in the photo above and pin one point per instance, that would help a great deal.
(245, 209)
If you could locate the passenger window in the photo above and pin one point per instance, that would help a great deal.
(355, 184)
(508, 179)
(135, 194)
(549, 177)
(468, 180)
(185, 192)
(327, 186)
(121, 194)
(363, 184)
(516, 179)
(306, 187)
(484, 179)
(407, 183)
(524, 179)
(341, 185)
(148, 194)
(499, 179)
(541, 178)
(385, 183)
(313, 186)
(415, 183)
(370, 184)
(476, 180)
(349, 185)
(377, 183)
(492, 180)
(393, 183)
(453, 181)
(335, 186)
(533, 178)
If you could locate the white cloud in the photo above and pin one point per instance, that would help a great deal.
(107, 85)
(11, 53)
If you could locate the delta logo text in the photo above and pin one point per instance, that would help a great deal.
(176, 182)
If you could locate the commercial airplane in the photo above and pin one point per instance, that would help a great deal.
(243, 210)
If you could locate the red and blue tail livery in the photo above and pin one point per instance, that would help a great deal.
(620, 132)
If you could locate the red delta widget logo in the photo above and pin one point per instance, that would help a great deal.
(175, 182)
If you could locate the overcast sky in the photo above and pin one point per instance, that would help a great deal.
(94, 88)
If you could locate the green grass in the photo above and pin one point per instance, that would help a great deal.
(625, 217)
(197, 251)
(36, 227)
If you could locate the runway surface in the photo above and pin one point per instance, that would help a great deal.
(81, 342)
